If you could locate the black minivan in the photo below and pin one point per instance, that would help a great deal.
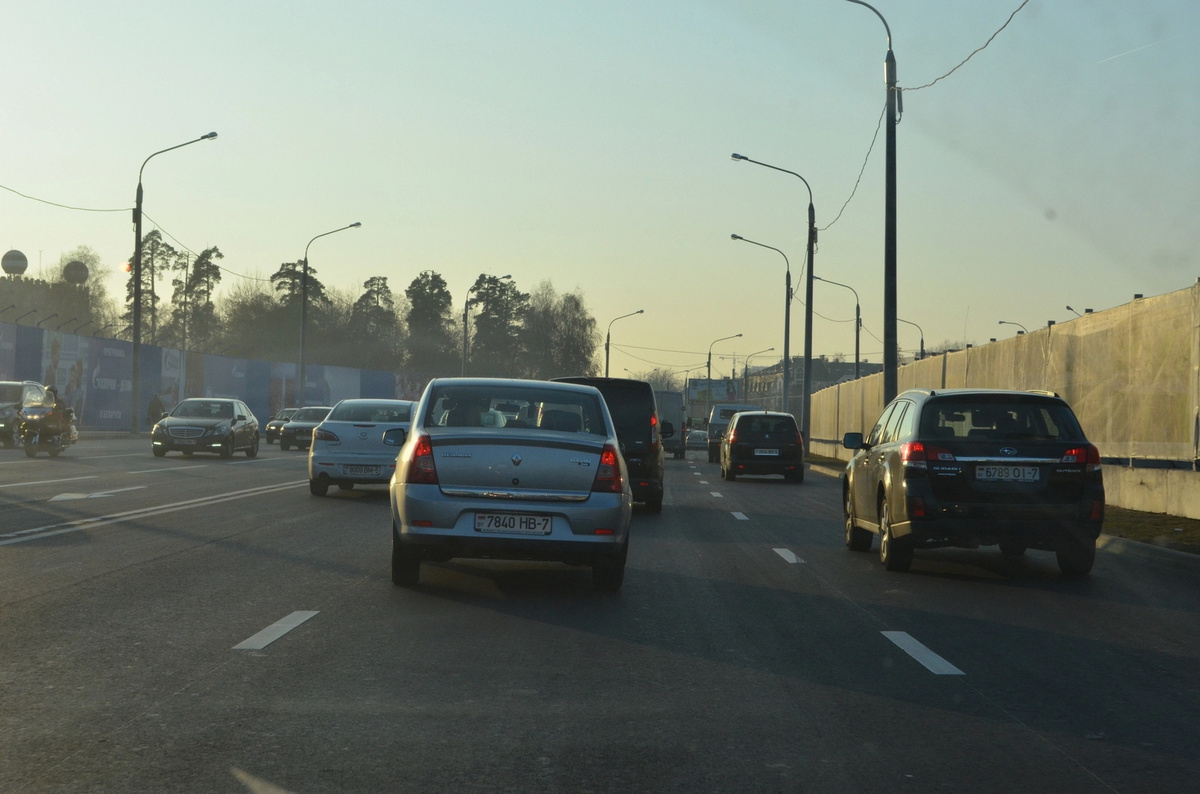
(635, 414)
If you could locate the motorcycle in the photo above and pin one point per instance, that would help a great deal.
(41, 429)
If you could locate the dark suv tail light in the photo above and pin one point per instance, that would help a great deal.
(1088, 455)
(608, 475)
(916, 454)
(420, 468)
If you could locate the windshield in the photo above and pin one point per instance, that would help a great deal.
(10, 392)
(204, 409)
(374, 412)
(310, 415)
(516, 407)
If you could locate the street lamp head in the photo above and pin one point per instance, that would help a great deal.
(209, 136)
(736, 237)
(640, 311)
(355, 225)
(736, 156)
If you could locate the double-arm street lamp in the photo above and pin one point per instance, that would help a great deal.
(136, 377)
(787, 319)
(1024, 330)
(914, 325)
(895, 103)
(466, 307)
(708, 389)
(808, 296)
(857, 317)
(302, 375)
(608, 338)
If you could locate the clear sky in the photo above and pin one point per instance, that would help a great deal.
(588, 143)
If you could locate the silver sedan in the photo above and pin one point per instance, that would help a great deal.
(511, 469)
(356, 444)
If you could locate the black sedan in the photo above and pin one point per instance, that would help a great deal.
(299, 429)
(271, 431)
(209, 424)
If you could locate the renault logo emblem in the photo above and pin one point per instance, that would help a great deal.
(516, 459)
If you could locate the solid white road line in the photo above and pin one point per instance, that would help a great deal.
(788, 555)
(741, 516)
(37, 533)
(48, 482)
(122, 455)
(273, 632)
(173, 468)
(932, 662)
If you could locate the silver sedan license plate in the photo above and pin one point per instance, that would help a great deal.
(518, 523)
(370, 471)
(1007, 473)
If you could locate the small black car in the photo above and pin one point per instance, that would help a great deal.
(208, 424)
(971, 468)
(271, 432)
(635, 415)
(762, 442)
(298, 431)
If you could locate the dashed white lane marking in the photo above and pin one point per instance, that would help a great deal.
(47, 482)
(696, 473)
(173, 468)
(741, 516)
(704, 482)
(932, 662)
(273, 632)
(788, 555)
(122, 455)
(717, 494)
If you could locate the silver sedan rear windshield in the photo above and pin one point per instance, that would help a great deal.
(382, 412)
(540, 407)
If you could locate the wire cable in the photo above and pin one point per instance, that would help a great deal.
(973, 54)
(63, 206)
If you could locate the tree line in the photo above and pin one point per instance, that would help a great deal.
(509, 333)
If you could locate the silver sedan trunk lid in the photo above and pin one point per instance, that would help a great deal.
(533, 465)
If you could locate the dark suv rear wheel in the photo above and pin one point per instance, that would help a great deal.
(1076, 557)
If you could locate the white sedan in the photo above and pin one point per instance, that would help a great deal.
(357, 444)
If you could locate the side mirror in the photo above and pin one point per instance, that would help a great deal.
(164, 415)
(853, 441)
(395, 437)
(667, 429)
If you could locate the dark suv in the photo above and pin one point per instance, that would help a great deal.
(975, 467)
(762, 442)
(635, 415)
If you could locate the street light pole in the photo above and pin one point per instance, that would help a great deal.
(806, 404)
(857, 317)
(1024, 330)
(708, 390)
(746, 369)
(301, 374)
(608, 337)
(466, 317)
(787, 321)
(895, 102)
(914, 325)
(136, 370)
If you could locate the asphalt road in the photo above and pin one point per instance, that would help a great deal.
(747, 651)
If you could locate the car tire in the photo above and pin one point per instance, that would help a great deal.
(1076, 557)
(712, 458)
(654, 504)
(1012, 548)
(270, 441)
(252, 450)
(608, 575)
(54, 452)
(227, 449)
(895, 554)
(406, 563)
(283, 445)
(187, 453)
(730, 475)
(31, 450)
(318, 486)
(346, 486)
(797, 476)
(158, 452)
(857, 538)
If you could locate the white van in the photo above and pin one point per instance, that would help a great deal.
(718, 421)
(671, 408)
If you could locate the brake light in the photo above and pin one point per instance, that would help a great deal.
(916, 454)
(800, 440)
(1088, 455)
(325, 435)
(420, 468)
(608, 475)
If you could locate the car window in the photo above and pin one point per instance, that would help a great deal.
(310, 414)
(204, 409)
(877, 431)
(908, 423)
(543, 408)
(1001, 421)
(893, 423)
(10, 393)
(381, 412)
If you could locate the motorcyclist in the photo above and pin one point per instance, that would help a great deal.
(63, 416)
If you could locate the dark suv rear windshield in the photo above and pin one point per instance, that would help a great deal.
(756, 427)
(1000, 420)
(631, 403)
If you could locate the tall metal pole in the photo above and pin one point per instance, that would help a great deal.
(708, 402)
(136, 368)
(301, 373)
(787, 319)
(608, 337)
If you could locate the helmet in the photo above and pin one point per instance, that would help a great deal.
(52, 390)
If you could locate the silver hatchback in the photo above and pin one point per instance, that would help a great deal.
(511, 469)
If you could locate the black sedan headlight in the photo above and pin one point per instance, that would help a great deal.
(219, 430)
